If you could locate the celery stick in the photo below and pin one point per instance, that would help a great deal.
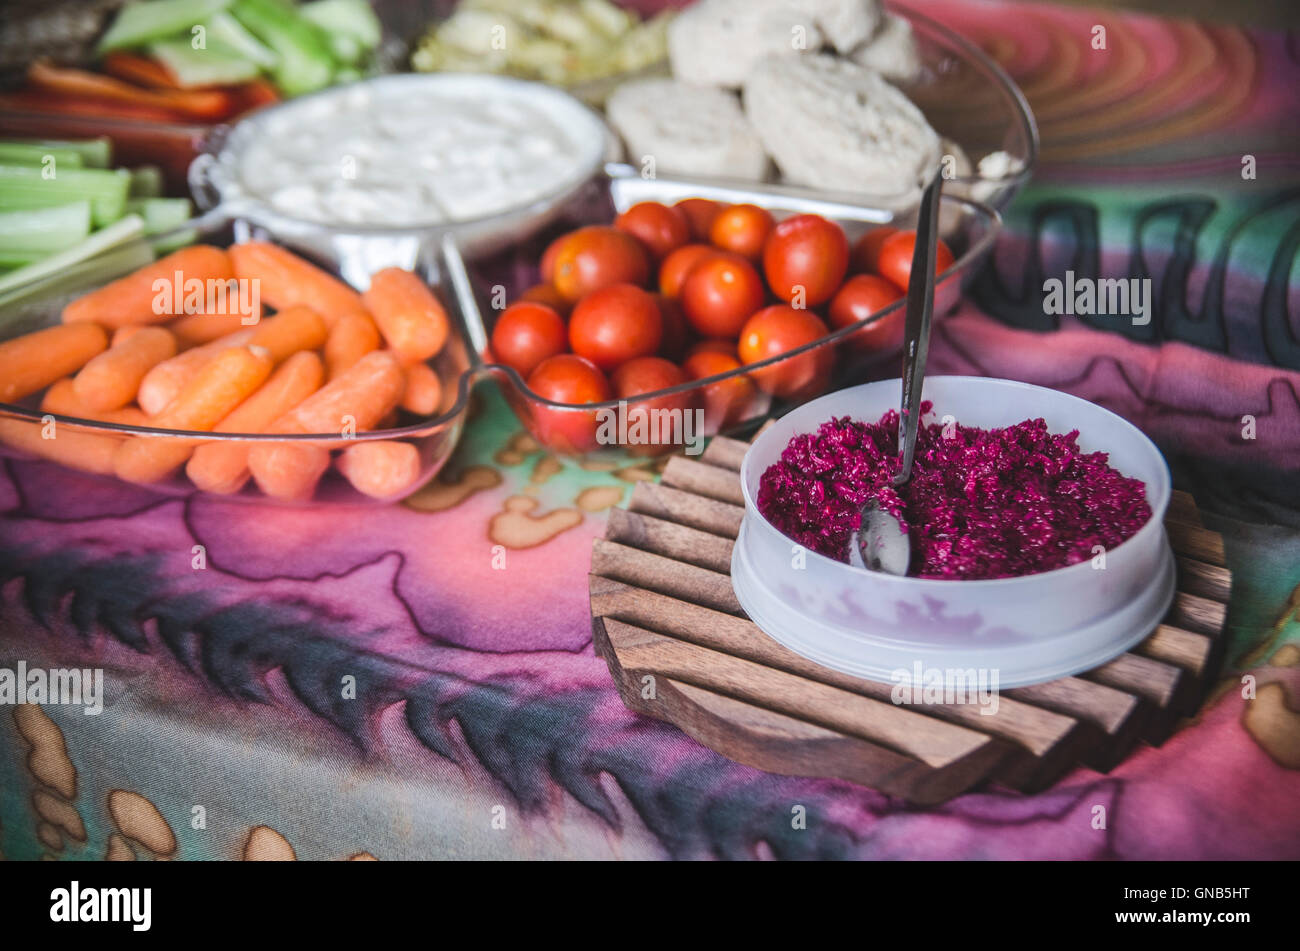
(228, 31)
(353, 18)
(303, 48)
(160, 214)
(119, 232)
(146, 182)
(13, 259)
(22, 153)
(41, 231)
(25, 186)
(141, 23)
(214, 65)
(170, 241)
(16, 304)
(95, 153)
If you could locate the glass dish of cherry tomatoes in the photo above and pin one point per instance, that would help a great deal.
(666, 309)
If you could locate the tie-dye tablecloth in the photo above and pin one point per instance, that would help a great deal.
(418, 680)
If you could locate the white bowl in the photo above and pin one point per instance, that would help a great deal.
(1028, 629)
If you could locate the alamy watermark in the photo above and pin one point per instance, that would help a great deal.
(56, 686)
(1104, 297)
(946, 685)
(651, 426)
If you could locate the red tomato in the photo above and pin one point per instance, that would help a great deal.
(720, 294)
(595, 257)
(776, 330)
(615, 324)
(700, 213)
(660, 228)
(672, 273)
(866, 251)
(650, 422)
(527, 333)
(807, 252)
(727, 401)
(567, 378)
(895, 262)
(713, 345)
(548, 258)
(677, 332)
(548, 295)
(742, 229)
(861, 296)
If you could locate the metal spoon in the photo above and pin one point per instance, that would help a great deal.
(880, 544)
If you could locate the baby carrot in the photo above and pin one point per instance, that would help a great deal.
(286, 279)
(291, 330)
(112, 378)
(35, 360)
(223, 466)
(62, 400)
(161, 384)
(77, 449)
(151, 295)
(216, 389)
(382, 469)
(195, 329)
(123, 334)
(350, 339)
(353, 401)
(423, 390)
(409, 316)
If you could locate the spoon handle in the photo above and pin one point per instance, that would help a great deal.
(920, 311)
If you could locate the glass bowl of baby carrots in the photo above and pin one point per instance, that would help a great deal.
(239, 369)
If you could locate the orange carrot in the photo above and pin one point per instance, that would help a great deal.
(111, 379)
(35, 360)
(123, 334)
(382, 469)
(193, 330)
(78, 449)
(223, 466)
(62, 400)
(218, 388)
(291, 330)
(353, 401)
(350, 339)
(161, 384)
(408, 314)
(423, 390)
(286, 279)
(152, 294)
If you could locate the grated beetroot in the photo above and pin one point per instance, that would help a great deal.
(981, 503)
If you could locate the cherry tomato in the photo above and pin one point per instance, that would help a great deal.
(700, 213)
(651, 424)
(861, 296)
(713, 345)
(595, 257)
(672, 273)
(527, 333)
(548, 295)
(615, 324)
(660, 228)
(778, 329)
(742, 229)
(727, 401)
(548, 258)
(567, 378)
(866, 251)
(808, 252)
(895, 262)
(677, 332)
(720, 294)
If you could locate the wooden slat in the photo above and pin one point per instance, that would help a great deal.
(648, 570)
(900, 752)
(1197, 614)
(1047, 743)
(680, 542)
(1163, 687)
(725, 453)
(687, 508)
(1207, 581)
(1185, 650)
(1182, 508)
(702, 479)
(1192, 541)
(1117, 716)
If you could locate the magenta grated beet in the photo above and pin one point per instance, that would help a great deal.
(982, 503)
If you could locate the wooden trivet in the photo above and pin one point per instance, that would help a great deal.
(666, 620)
